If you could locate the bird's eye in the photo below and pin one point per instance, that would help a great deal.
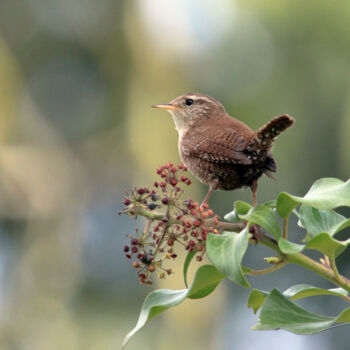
(189, 102)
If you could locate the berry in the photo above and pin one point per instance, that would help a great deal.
(183, 178)
(126, 249)
(156, 184)
(136, 264)
(134, 249)
(127, 201)
(170, 242)
(134, 241)
(151, 268)
(165, 200)
(152, 206)
(141, 191)
(128, 256)
(173, 182)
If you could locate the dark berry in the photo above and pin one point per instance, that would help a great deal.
(128, 256)
(127, 201)
(152, 206)
(165, 200)
(126, 249)
(134, 249)
(140, 191)
(134, 241)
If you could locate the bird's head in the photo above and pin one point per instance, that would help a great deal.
(192, 109)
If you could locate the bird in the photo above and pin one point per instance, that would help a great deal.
(222, 151)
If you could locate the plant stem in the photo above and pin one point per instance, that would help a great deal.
(285, 227)
(335, 269)
(267, 270)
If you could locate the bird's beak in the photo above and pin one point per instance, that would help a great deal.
(165, 106)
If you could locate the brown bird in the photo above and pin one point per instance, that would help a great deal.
(219, 150)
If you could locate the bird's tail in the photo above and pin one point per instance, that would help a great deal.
(266, 135)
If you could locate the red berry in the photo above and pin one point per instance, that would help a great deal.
(188, 182)
(140, 191)
(165, 200)
(163, 174)
(191, 243)
(134, 241)
(126, 249)
(174, 255)
(183, 178)
(170, 242)
(127, 201)
(134, 249)
(151, 268)
(173, 169)
(128, 256)
(173, 182)
(156, 184)
(162, 184)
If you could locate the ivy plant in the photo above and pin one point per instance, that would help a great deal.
(173, 223)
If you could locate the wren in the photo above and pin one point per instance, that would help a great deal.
(219, 150)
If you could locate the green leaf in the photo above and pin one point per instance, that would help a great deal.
(205, 281)
(187, 262)
(257, 297)
(240, 208)
(324, 194)
(226, 252)
(278, 312)
(288, 247)
(300, 291)
(323, 242)
(265, 217)
(315, 221)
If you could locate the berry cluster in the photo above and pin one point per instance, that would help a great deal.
(176, 224)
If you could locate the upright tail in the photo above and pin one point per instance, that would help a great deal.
(266, 135)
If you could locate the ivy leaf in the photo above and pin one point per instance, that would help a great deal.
(187, 262)
(278, 312)
(240, 208)
(265, 217)
(226, 252)
(315, 221)
(257, 297)
(324, 194)
(301, 291)
(323, 242)
(205, 281)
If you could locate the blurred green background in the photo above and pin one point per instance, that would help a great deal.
(77, 79)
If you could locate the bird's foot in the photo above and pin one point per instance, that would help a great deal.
(257, 232)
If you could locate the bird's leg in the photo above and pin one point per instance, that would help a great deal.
(209, 193)
(255, 229)
(254, 187)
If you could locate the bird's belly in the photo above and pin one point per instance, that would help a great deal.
(224, 176)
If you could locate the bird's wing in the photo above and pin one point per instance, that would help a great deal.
(218, 146)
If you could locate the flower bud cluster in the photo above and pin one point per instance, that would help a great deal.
(172, 223)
